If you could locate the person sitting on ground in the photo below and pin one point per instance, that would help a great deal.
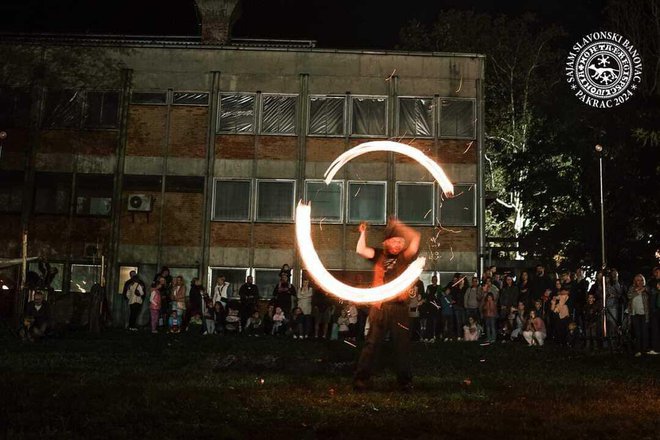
(279, 322)
(254, 325)
(297, 323)
(39, 310)
(173, 322)
(209, 319)
(472, 330)
(267, 320)
(534, 332)
(25, 332)
(233, 318)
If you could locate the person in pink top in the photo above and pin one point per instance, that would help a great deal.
(154, 306)
(534, 332)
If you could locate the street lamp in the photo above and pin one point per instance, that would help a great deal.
(599, 151)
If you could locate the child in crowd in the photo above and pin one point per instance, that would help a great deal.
(342, 324)
(233, 319)
(352, 321)
(297, 323)
(209, 319)
(254, 325)
(472, 330)
(279, 322)
(534, 332)
(26, 330)
(154, 307)
(519, 318)
(173, 322)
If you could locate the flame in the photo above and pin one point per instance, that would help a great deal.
(328, 283)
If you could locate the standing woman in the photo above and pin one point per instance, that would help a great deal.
(523, 286)
(305, 303)
(195, 309)
(179, 299)
(638, 308)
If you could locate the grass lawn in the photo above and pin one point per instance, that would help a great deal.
(138, 385)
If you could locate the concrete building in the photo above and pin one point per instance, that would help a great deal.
(192, 153)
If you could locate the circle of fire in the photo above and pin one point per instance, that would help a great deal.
(310, 257)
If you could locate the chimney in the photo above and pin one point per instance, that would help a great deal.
(217, 17)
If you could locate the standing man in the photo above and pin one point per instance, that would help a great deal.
(399, 250)
(132, 293)
(249, 294)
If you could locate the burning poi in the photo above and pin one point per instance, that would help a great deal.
(310, 257)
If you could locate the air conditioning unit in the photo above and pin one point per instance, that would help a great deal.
(139, 202)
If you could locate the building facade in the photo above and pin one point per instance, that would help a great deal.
(191, 154)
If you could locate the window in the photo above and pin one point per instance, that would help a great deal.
(416, 117)
(62, 109)
(266, 280)
(278, 114)
(158, 98)
(14, 107)
(236, 113)
(275, 200)
(326, 200)
(11, 191)
(52, 193)
(190, 98)
(102, 110)
(326, 115)
(461, 209)
(93, 194)
(414, 202)
(369, 116)
(366, 202)
(235, 276)
(232, 200)
(84, 276)
(56, 284)
(457, 118)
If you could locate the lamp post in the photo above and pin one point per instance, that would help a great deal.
(599, 151)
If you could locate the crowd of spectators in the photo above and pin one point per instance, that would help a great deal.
(564, 309)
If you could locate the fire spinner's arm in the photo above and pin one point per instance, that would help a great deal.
(412, 238)
(362, 249)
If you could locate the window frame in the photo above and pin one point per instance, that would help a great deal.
(474, 205)
(433, 186)
(256, 201)
(250, 197)
(434, 117)
(350, 117)
(348, 201)
(71, 266)
(211, 282)
(342, 196)
(167, 97)
(85, 106)
(345, 118)
(439, 117)
(259, 114)
(269, 294)
(255, 117)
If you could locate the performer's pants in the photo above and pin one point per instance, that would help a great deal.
(392, 317)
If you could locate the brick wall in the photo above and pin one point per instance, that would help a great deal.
(230, 234)
(234, 146)
(188, 131)
(182, 221)
(146, 130)
(140, 227)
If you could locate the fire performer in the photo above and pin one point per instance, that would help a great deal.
(399, 249)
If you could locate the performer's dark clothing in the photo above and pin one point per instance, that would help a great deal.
(389, 316)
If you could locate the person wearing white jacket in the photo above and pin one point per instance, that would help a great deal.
(305, 303)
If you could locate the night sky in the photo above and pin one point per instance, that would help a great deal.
(332, 23)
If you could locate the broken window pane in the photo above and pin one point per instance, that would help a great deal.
(62, 109)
